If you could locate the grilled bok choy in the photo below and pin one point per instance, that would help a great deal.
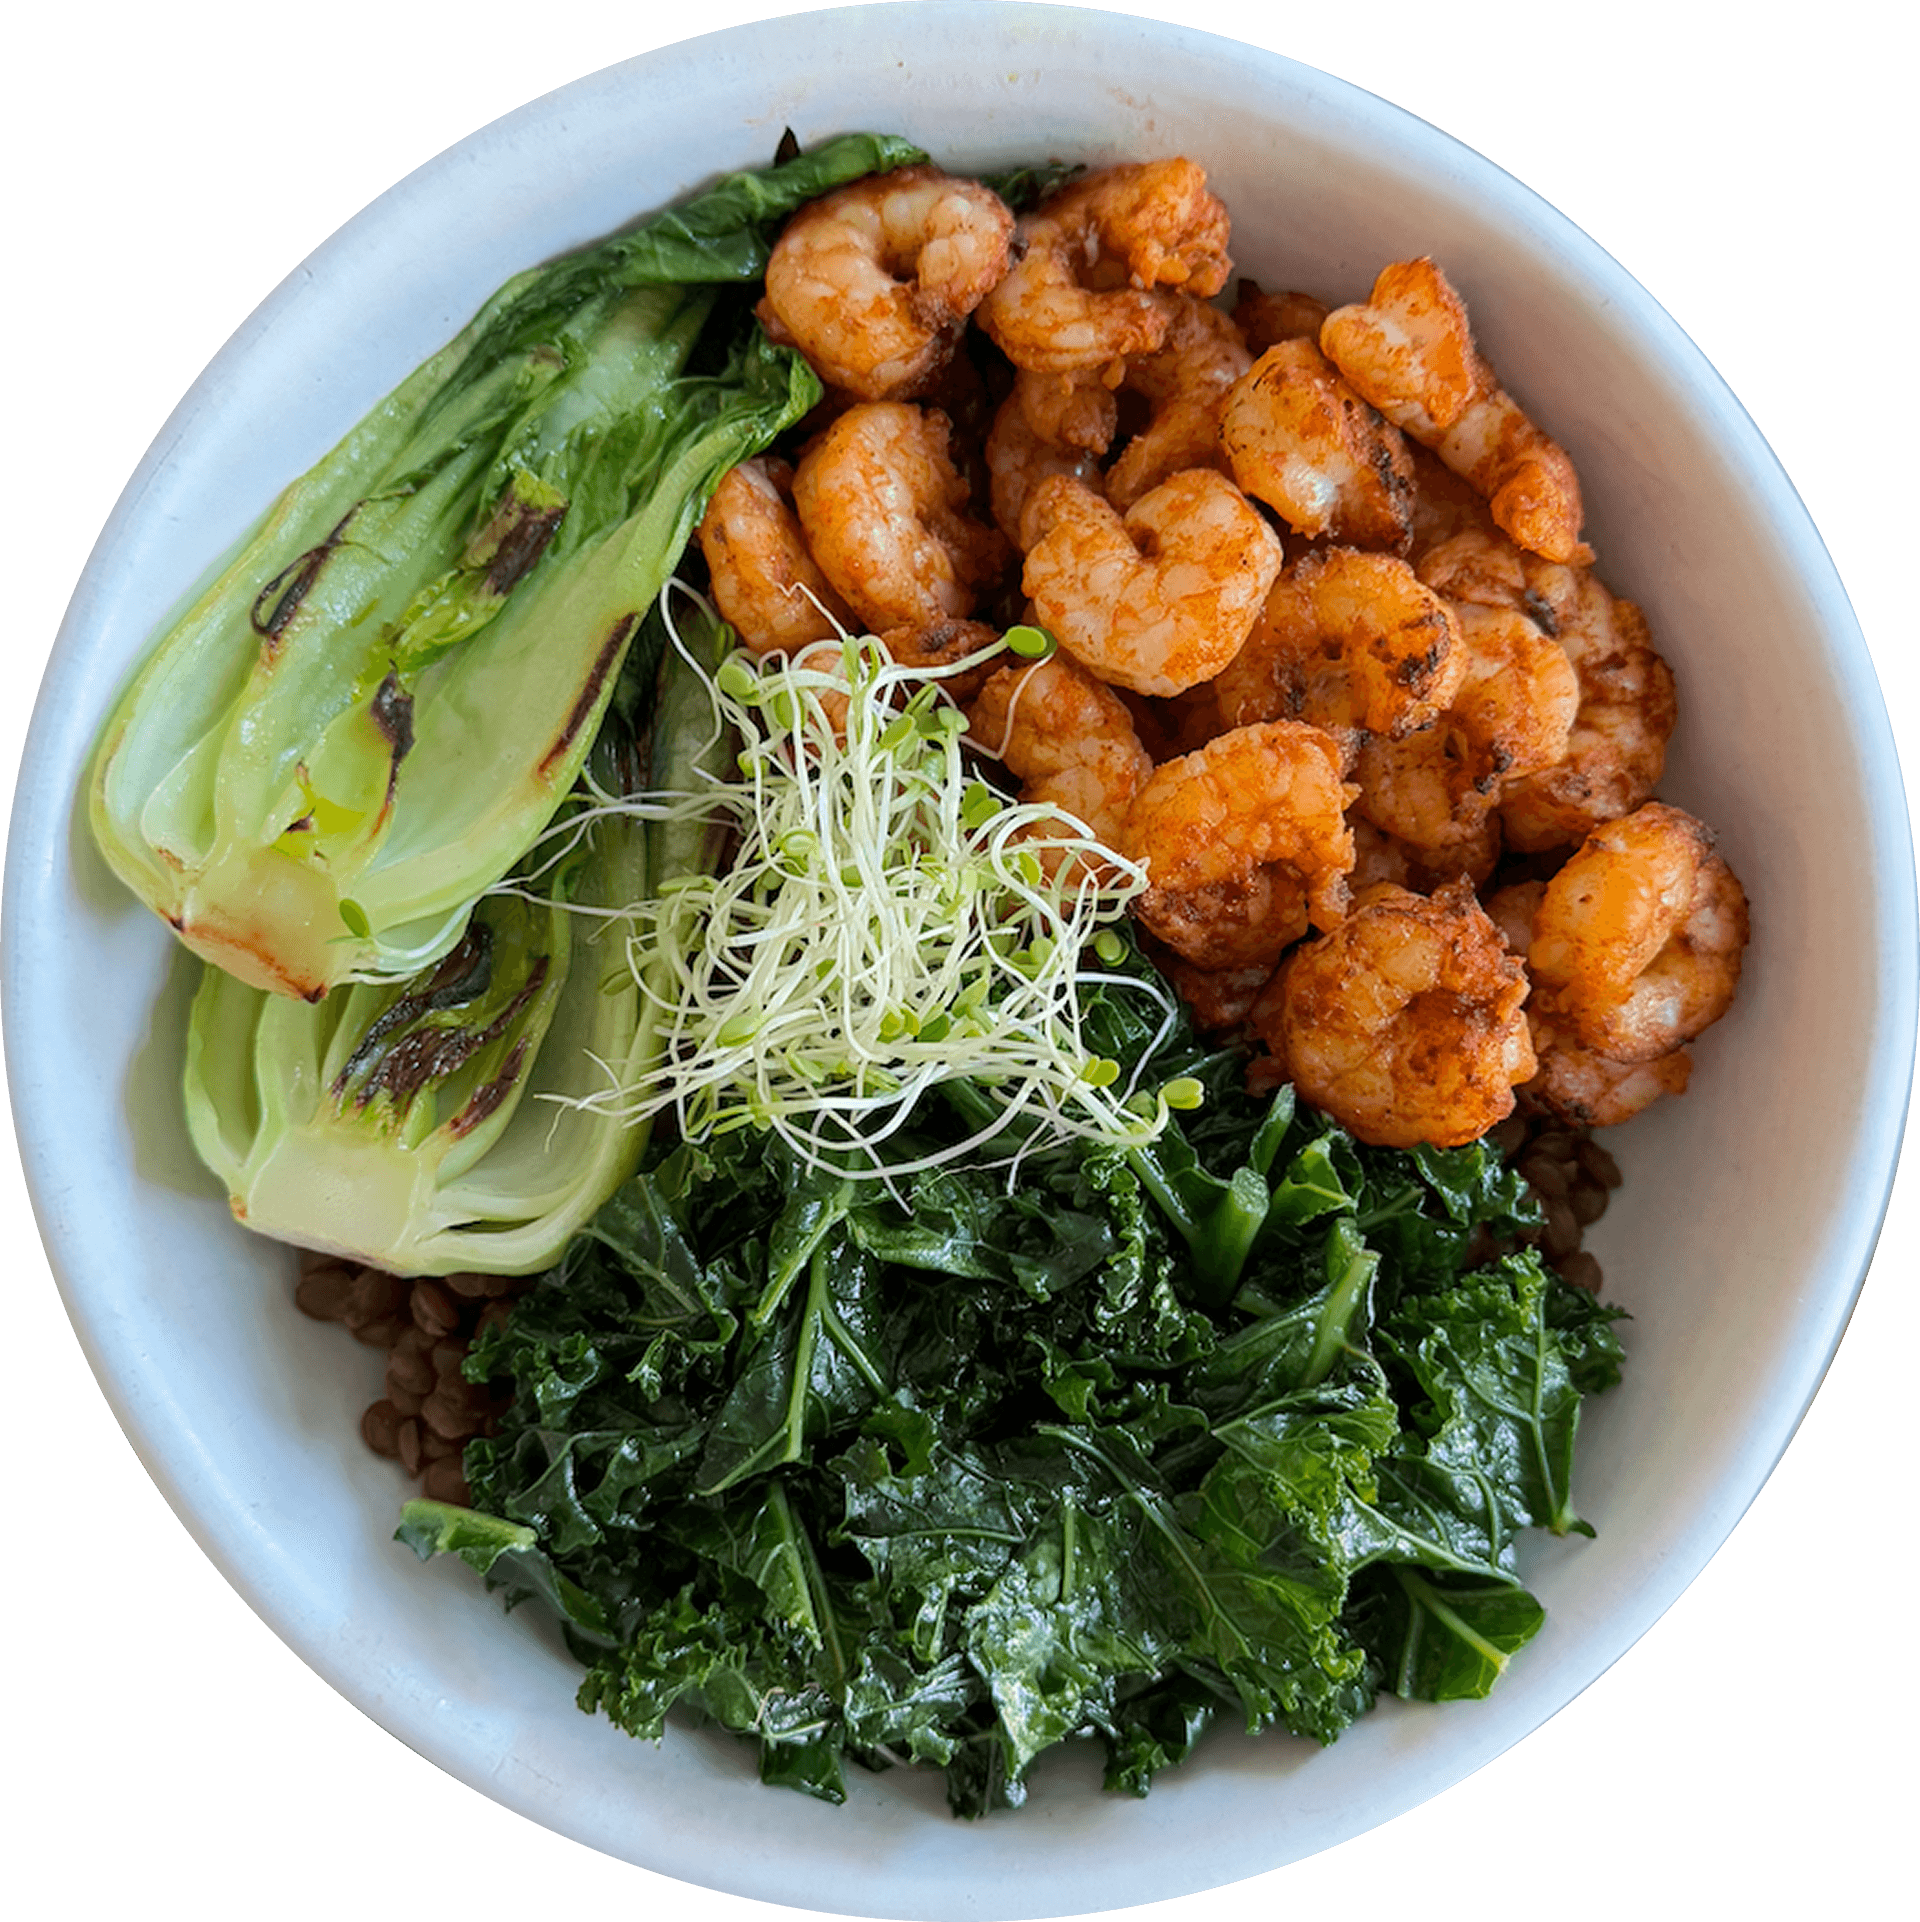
(439, 1123)
(377, 706)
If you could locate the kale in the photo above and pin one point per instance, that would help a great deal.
(954, 1469)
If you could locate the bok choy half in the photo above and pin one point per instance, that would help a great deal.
(442, 1123)
(377, 706)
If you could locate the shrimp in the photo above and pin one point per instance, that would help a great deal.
(874, 281)
(1617, 748)
(1019, 458)
(766, 584)
(1409, 350)
(1347, 640)
(945, 648)
(1638, 940)
(1220, 1000)
(1510, 716)
(1079, 294)
(1161, 600)
(1300, 438)
(1267, 319)
(1573, 1082)
(1186, 381)
(1407, 1022)
(1443, 504)
(1078, 410)
(1593, 1091)
(1246, 844)
(1068, 740)
(882, 507)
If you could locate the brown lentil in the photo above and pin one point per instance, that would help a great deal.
(430, 1411)
(1580, 1270)
(380, 1429)
(1598, 1163)
(382, 1333)
(435, 1309)
(1588, 1200)
(1544, 1177)
(408, 1368)
(446, 1481)
(1562, 1237)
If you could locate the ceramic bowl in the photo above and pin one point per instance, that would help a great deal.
(1750, 1208)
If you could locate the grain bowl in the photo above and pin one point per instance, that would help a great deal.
(1752, 1216)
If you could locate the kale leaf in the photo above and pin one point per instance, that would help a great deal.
(952, 1470)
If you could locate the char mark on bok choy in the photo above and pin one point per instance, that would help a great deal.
(445, 1122)
(380, 702)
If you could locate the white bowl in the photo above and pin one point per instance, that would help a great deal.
(1751, 1206)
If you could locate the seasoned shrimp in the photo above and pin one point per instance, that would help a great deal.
(1245, 842)
(1436, 789)
(1067, 740)
(883, 508)
(1220, 1000)
(1409, 350)
(1574, 1082)
(1078, 410)
(1080, 292)
(1267, 319)
(874, 281)
(766, 584)
(1443, 504)
(1593, 1091)
(1160, 600)
(1347, 640)
(1298, 437)
(1617, 748)
(1407, 1022)
(1638, 941)
(946, 647)
(1186, 382)
(1019, 458)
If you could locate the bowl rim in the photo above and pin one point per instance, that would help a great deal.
(36, 850)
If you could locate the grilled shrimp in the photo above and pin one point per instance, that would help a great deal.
(1018, 459)
(1347, 640)
(1575, 1082)
(1638, 940)
(766, 584)
(1299, 437)
(1161, 600)
(1593, 1091)
(1245, 842)
(1220, 1000)
(1617, 748)
(946, 646)
(1443, 504)
(1436, 789)
(1266, 319)
(1406, 1022)
(1409, 350)
(1078, 410)
(1186, 382)
(883, 509)
(1068, 740)
(1080, 292)
(874, 281)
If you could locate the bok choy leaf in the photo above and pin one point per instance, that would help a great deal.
(439, 1123)
(374, 710)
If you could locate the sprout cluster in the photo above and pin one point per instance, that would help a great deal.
(891, 921)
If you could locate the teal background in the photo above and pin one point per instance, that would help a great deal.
(170, 165)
